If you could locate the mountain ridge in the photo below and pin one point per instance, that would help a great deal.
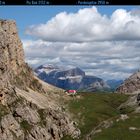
(69, 78)
(114, 84)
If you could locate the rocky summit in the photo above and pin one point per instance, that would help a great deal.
(29, 108)
(130, 85)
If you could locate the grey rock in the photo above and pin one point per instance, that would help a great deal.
(130, 85)
(8, 122)
(29, 111)
(6, 135)
(39, 133)
(28, 114)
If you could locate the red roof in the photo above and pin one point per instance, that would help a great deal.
(71, 91)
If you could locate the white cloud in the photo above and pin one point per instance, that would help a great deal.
(104, 46)
(33, 62)
(104, 59)
(88, 25)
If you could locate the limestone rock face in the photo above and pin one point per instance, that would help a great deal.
(9, 123)
(11, 51)
(29, 108)
(13, 69)
(130, 85)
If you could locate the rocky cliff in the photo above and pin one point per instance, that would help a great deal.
(29, 108)
(130, 85)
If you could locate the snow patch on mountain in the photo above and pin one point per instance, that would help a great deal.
(69, 78)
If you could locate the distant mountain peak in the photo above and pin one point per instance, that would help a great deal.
(69, 78)
(114, 83)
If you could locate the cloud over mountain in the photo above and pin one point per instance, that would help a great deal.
(106, 46)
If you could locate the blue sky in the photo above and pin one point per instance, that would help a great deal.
(104, 41)
(28, 15)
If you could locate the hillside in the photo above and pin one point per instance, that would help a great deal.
(90, 110)
(30, 109)
(103, 116)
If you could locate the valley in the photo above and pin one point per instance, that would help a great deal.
(34, 105)
(101, 117)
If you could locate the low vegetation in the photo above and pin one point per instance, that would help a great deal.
(3, 111)
(90, 109)
(26, 126)
(42, 115)
(122, 130)
(26, 79)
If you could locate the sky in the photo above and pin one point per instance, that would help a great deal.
(104, 41)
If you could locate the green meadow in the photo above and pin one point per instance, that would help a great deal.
(90, 109)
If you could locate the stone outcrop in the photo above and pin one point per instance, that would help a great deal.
(29, 108)
(130, 85)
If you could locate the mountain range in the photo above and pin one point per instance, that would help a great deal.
(70, 78)
(114, 84)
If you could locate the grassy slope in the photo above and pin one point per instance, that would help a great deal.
(120, 130)
(91, 109)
